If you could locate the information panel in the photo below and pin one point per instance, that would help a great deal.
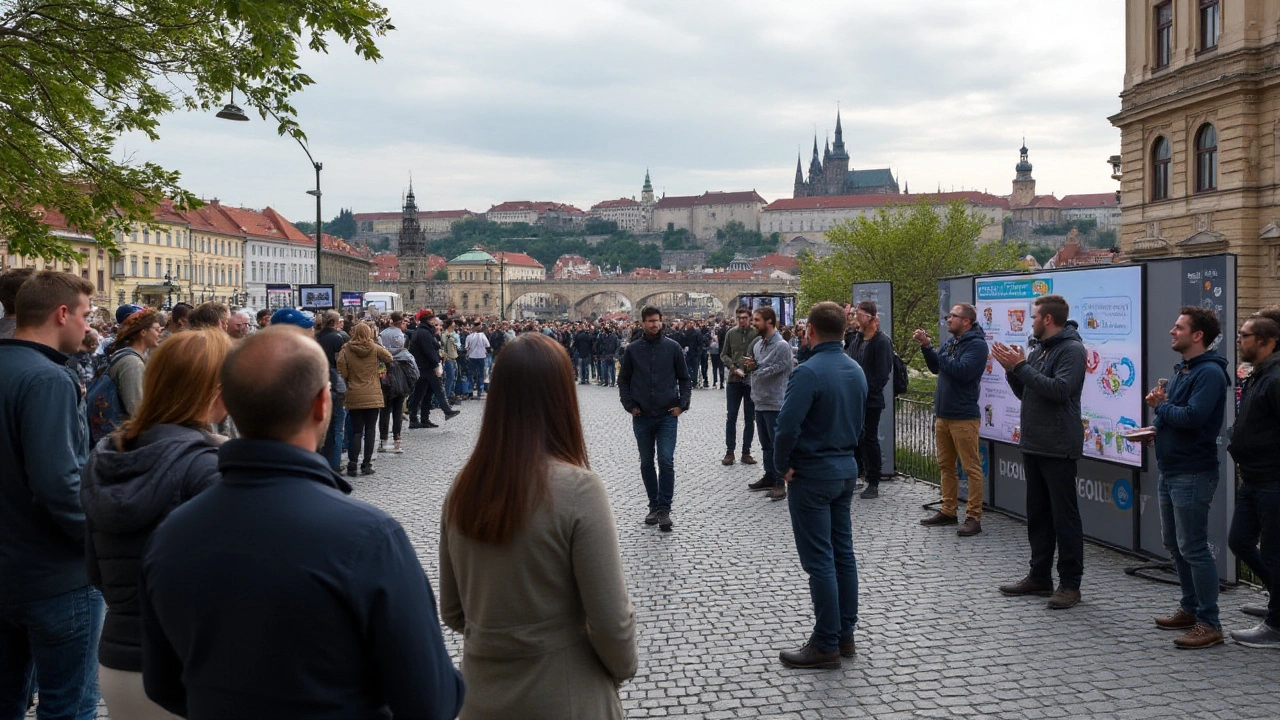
(1106, 304)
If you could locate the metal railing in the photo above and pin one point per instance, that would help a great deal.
(915, 451)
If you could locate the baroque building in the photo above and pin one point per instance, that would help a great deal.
(829, 175)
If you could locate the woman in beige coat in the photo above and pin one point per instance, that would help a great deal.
(529, 567)
(358, 365)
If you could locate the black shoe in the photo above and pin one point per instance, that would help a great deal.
(764, 483)
(428, 424)
(651, 518)
(809, 657)
(366, 469)
(451, 414)
(872, 491)
(415, 425)
(940, 518)
(847, 646)
(352, 469)
(664, 520)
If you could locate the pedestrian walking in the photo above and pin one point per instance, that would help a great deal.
(768, 364)
(331, 339)
(738, 391)
(873, 350)
(401, 377)
(358, 365)
(477, 345)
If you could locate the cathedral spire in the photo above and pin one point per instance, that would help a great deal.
(648, 186)
(799, 170)
(837, 149)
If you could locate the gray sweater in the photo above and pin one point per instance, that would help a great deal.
(773, 367)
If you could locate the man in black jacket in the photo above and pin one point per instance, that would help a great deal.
(874, 352)
(425, 348)
(331, 339)
(583, 343)
(273, 593)
(607, 346)
(654, 387)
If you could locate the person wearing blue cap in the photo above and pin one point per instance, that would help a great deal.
(289, 316)
(125, 311)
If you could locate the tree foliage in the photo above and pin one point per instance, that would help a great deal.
(735, 239)
(546, 245)
(75, 75)
(911, 246)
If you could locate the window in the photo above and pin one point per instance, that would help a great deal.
(1210, 24)
(1206, 159)
(1164, 34)
(146, 267)
(133, 266)
(1160, 157)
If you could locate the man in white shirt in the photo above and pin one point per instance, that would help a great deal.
(477, 351)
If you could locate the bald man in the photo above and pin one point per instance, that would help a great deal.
(277, 562)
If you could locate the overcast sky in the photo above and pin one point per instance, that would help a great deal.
(493, 100)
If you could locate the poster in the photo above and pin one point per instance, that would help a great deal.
(317, 297)
(352, 299)
(1106, 304)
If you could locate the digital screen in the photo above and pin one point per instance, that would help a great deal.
(783, 305)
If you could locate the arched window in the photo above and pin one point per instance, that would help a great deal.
(1206, 159)
(1160, 157)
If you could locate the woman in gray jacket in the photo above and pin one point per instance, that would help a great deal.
(529, 565)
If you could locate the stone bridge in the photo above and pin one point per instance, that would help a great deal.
(640, 291)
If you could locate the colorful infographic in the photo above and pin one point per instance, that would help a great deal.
(1106, 304)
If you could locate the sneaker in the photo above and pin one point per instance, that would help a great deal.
(382, 445)
(847, 646)
(1027, 586)
(1200, 636)
(779, 492)
(651, 518)
(809, 657)
(428, 424)
(366, 469)
(747, 459)
(872, 491)
(764, 483)
(1064, 598)
(1180, 620)
(398, 449)
(940, 519)
(1263, 636)
(1255, 609)
(415, 425)
(970, 528)
(727, 459)
(664, 520)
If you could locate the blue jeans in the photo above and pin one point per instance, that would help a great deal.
(739, 393)
(824, 540)
(56, 640)
(657, 433)
(1255, 537)
(584, 370)
(333, 437)
(475, 370)
(450, 378)
(1184, 523)
(608, 371)
(766, 425)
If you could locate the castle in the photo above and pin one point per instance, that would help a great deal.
(829, 175)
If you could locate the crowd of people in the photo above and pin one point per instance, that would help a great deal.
(177, 535)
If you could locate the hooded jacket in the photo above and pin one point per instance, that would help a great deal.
(1049, 383)
(1256, 434)
(125, 496)
(358, 365)
(959, 365)
(1191, 417)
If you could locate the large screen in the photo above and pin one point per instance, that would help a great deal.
(1106, 304)
(782, 304)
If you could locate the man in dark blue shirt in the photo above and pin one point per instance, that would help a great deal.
(273, 594)
(817, 431)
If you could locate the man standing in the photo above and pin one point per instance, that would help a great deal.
(238, 325)
(959, 367)
(817, 431)
(582, 347)
(769, 363)
(477, 352)
(331, 339)
(50, 616)
(607, 347)
(873, 351)
(1255, 528)
(1049, 383)
(1188, 418)
(449, 353)
(738, 392)
(654, 387)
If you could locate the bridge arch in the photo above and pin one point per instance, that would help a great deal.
(538, 304)
(595, 303)
(683, 301)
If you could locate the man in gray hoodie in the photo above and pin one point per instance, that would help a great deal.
(768, 363)
(1049, 383)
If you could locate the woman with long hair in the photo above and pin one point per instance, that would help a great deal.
(161, 457)
(139, 334)
(358, 365)
(529, 563)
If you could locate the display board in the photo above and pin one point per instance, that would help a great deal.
(1106, 303)
(352, 299)
(279, 295)
(783, 304)
(881, 293)
(317, 297)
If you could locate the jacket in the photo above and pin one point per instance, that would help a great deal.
(358, 365)
(654, 376)
(876, 358)
(127, 373)
(425, 347)
(1049, 383)
(1256, 434)
(331, 341)
(735, 345)
(449, 345)
(1190, 418)
(44, 441)
(125, 496)
(274, 594)
(773, 366)
(821, 419)
(959, 365)
(608, 345)
(555, 598)
(582, 343)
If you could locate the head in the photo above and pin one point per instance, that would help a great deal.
(447, 323)
(1256, 339)
(210, 315)
(53, 308)
(867, 315)
(397, 319)
(330, 319)
(238, 325)
(9, 283)
(1271, 312)
(531, 419)
(90, 342)
(182, 384)
(140, 331)
(263, 318)
(961, 318)
(1194, 331)
(765, 321)
(179, 318)
(275, 383)
(362, 334)
(651, 319)
(744, 317)
(1050, 316)
(826, 323)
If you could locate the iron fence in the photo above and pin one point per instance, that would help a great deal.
(915, 451)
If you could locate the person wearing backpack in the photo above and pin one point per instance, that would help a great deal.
(402, 375)
(139, 333)
(872, 350)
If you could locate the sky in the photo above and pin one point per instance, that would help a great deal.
(570, 101)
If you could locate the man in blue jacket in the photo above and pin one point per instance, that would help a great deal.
(817, 432)
(959, 367)
(274, 594)
(1188, 419)
(50, 616)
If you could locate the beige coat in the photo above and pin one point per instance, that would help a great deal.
(358, 365)
(548, 627)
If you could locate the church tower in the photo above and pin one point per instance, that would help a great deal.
(799, 186)
(1024, 186)
(412, 244)
(814, 186)
(646, 192)
(837, 165)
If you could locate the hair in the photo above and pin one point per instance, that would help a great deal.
(329, 318)
(448, 322)
(180, 383)
(768, 315)
(1054, 306)
(968, 312)
(270, 379)
(650, 310)
(869, 307)
(1271, 312)
(397, 317)
(1264, 327)
(361, 334)
(263, 313)
(827, 320)
(209, 314)
(742, 309)
(1203, 320)
(532, 413)
(180, 312)
(133, 326)
(9, 284)
(46, 291)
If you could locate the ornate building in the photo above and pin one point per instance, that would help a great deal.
(346, 266)
(830, 175)
(418, 286)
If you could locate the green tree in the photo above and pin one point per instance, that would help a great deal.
(440, 275)
(75, 75)
(343, 225)
(675, 239)
(720, 258)
(911, 246)
(597, 226)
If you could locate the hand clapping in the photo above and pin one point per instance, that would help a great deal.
(1007, 357)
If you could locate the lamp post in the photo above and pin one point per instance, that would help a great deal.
(168, 287)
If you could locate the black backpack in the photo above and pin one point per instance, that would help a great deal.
(899, 375)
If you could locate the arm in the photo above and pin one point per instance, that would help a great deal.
(878, 365)
(343, 369)
(383, 355)
(91, 556)
(1208, 394)
(969, 366)
(682, 377)
(51, 446)
(726, 356)
(450, 601)
(597, 568)
(930, 358)
(777, 361)
(161, 666)
(1066, 381)
(201, 474)
(795, 407)
(624, 383)
(129, 383)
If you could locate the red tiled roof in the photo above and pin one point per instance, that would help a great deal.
(422, 215)
(513, 258)
(338, 245)
(620, 202)
(539, 207)
(776, 261)
(710, 198)
(385, 267)
(207, 218)
(1044, 201)
(1090, 200)
(265, 225)
(855, 201)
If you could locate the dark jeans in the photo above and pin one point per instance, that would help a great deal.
(868, 452)
(450, 377)
(475, 370)
(1053, 518)
(717, 369)
(390, 417)
(56, 640)
(657, 433)
(1255, 537)
(364, 428)
(435, 386)
(739, 393)
(332, 450)
(416, 398)
(608, 371)
(823, 530)
(702, 366)
(584, 370)
(766, 424)
(1184, 523)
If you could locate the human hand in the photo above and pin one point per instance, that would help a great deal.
(635, 412)
(1156, 396)
(439, 371)
(1007, 357)
(921, 337)
(791, 475)
(749, 363)
(675, 412)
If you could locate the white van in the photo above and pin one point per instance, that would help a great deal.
(385, 302)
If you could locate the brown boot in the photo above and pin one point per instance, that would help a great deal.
(728, 459)
(747, 459)
(970, 528)
(1201, 636)
(1027, 586)
(940, 519)
(1064, 598)
(1180, 620)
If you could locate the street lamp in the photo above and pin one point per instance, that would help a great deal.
(168, 287)
(502, 284)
